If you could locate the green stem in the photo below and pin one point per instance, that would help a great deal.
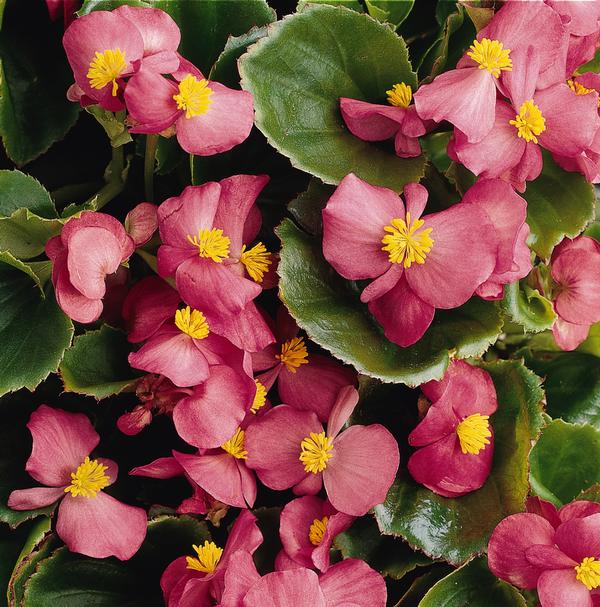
(114, 184)
(149, 159)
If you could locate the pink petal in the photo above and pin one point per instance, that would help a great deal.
(382, 284)
(101, 526)
(353, 582)
(406, 146)
(294, 526)
(520, 82)
(243, 535)
(309, 485)
(470, 390)
(578, 509)
(582, 16)
(36, 497)
(439, 421)
(579, 537)
(92, 219)
(290, 588)
(415, 197)
(346, 400)
(568, 335)
(561, 588)
(163, 467)
(141, 222)
(370, 121)
(337, 523)
(541, 507)
(549, 557)
(240, 576)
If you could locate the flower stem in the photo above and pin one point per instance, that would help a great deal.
(149, 158)
(114, 181)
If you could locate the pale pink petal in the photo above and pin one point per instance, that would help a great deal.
(582, 16)
(163, 467)
(520, 82)
(370, 121)
(353, 583)
(294, 527)
(240, 576)
(244, 535)
(470, 390)
(346, 401)
(561, 588)
(579, 537)
(141, 223)
(549, 557)
(337, 523)
(36, 497)
(382, 284)
(291, 588)
(578, 509)
(568, 335)
(415, 198)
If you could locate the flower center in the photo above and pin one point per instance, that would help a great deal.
(399, 95)
(194, 96)
(588, 572)
(529, 122)
(491, 56)
(107, 67)
(293, 354)
(257, 261)
(474, 433)
(88, 479)
(235, 445)
(192, 323)
(260, 397)
(406, 242)
(317, 531)
(211, 243)
(208, 558)
(578, 88)
(315, 452)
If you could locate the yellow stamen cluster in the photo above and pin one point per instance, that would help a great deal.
(315, 452)
(211, 243)
(491, 56)
(235, 445)
(578, 88)
(260, 397)
(105, 68)
(406, 241)
(293, 354)
(88, 479)
(192, 323)
(208, 558)
(588, 572)
(257, 261)
(400, 95)
(194, 96)
(529, 122)
(317, 531)
(474, 433)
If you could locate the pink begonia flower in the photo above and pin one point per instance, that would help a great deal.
(90, 521)
(466, 96)
(304, 381)
(375, 122)
(290, 448)
(198, 580)
(206, 234)
(307, 528)
(419, 263)
(559, 558)
(455, 437)
(141, 223)
(575, 270)
(88, 250)
(209, 117)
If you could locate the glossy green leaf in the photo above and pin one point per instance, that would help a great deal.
(308, 206)
(96, 364)
(355, 5)
(565, 461)
(527, 307)
(391, 11)
(329, 310)
(297, 75)
(473, 585)
(419, 588)
(456, 529)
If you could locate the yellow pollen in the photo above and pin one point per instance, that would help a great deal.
(194, 96)
(588, 572)
(211, 243)
(260, 398)
(474, 433)
(257, 261)
(399, 95)
(192, 323)
(529, 122)
(209, 556)
(406, 242)
(88, 479)
(293, 354)
(235, 445)
(578, 88)
(317, 531)
(315, 452)
(491, 56)
(106, 67)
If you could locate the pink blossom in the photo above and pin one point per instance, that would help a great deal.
(141, 223)
(290, 448)
(89, 520)
(418, 263)
(89, 249)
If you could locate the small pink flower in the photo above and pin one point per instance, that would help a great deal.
(419, 263)
(290, 448)
(455, 437)
(89, 249)
(89, 520)
(209, 118)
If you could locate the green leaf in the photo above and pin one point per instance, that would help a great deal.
(18, 190)
(419, 588)
(559, 204)
(297, 75)
(456, 529)
(96, 364)
(527, 307)
(591, 495)
(308, 206)
(115, 129)
(329, 310)
(34, 77)
(473, 585)
(392, 11)
(592, 343)
(565, 461)
(591, 66)
(355, 5)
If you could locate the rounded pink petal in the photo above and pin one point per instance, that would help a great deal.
(346, 400)
(580, 537)
(294, 527)
(568, 335)
(439, 421)
(353, 583)
(337, 523)
(36, 497)
(415, 197)
(371, 121)
(578, 509)
(382, 284)
(363, 467)
(561, 588)
(470, 390)
(549, 557)
(240, 576)
(291, 588)
(244, 535)
(310, 485)
(101, 526)
(141, 223)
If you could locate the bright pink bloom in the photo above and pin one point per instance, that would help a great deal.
(419, 263)
(209, 118)
(206, 234)
(88, 250)
(199, 580)
(89, 521)
(455, 437)
(141, 223)
(289, 448)
(575, 269)
(560, 557)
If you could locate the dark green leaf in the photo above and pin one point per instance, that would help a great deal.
(18, 190)
(528, 308)
(355, 5)
(306, 209)
(392, 11)
(418, 589)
